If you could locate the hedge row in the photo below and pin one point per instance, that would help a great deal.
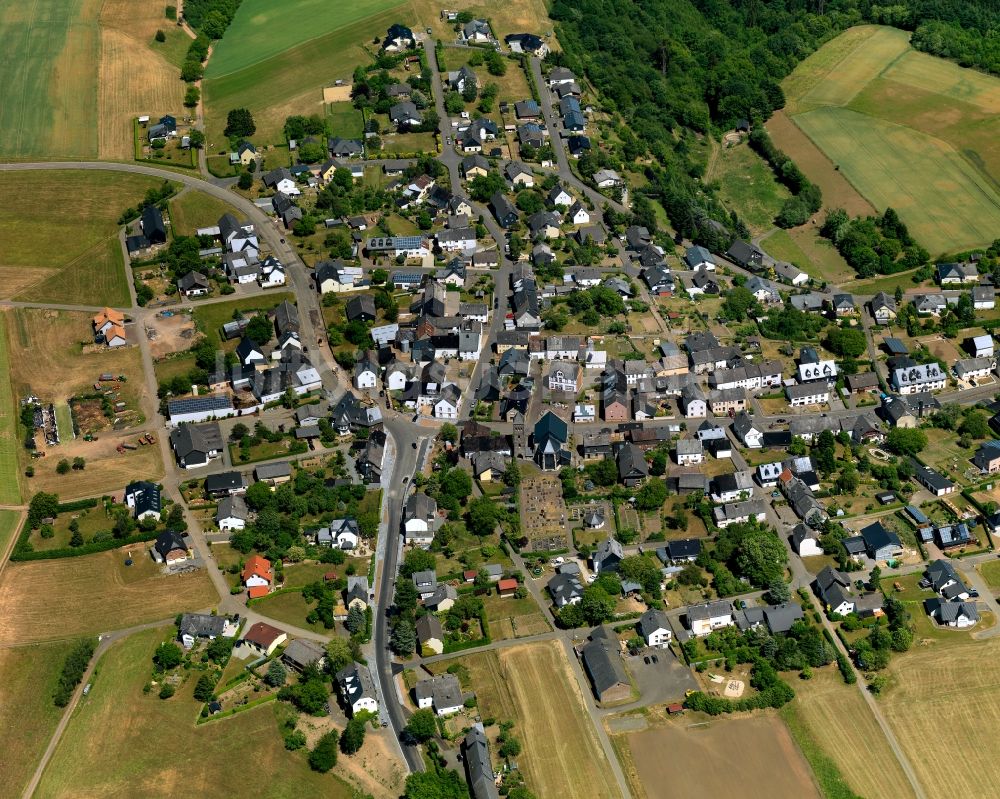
(23, 551)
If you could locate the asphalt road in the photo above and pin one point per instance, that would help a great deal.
(408, 457)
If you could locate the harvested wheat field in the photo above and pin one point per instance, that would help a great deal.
(570, 763)
(132, 78)
(51, 599)
(835, 717)
(949, 684)
(753, 758)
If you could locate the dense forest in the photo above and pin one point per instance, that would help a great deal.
(677, 68)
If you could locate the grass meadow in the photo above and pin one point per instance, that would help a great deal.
(193, 209)
(29, 678)
(113, 747)
(10, 475)
(874, 107)
(747, 184)
(72, 256)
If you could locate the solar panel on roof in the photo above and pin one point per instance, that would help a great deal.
(193, 404)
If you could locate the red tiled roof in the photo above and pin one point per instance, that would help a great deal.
(256, 565)
(510, 584)
(258, 591)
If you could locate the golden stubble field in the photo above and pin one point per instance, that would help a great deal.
(533, 686)
(46, 600)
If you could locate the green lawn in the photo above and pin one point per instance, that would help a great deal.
(888, 283)
(814, 255)
(10, 491)
(196, 209)
(210, 318)
(113, 747)
(172, 367)
(49, 75)
(262, 29)
(290, 608)
(747, 185)
(345, 120)
(175, 48)
(991, 573)
(72, 256)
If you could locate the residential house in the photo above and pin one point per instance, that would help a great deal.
(747, 255)
(973, 368)
(196, 445)
(430, 634)
(805, 541)
(231, 514)
(704, 619)
(790, 273)
(607, 178)
(945, 580)
(419, 519)
(527, 43)
(225, 484)
(956, 274)
(919, 378)
(802, 394)
(361, 308)
(862, 382)
(693, 402)
(607, 556)
(302, 654)
(143, 498)
(982, 346)
(565, 589)
(745, 430)
(987, 457)
(834, 590)
(194, 284)
(357, 689)
(264, 638)
(475, 166)
(960, 615)
(169, 548)
(778, 618)
(632, 466)
(503, 210)
(739, 512)
(883, 308)
(690, 451)
(984, 298)
(281, 180)
(843, 305)
(405, 115)
(442, 693)
(205, 625)
(564, 376)
(257, 576)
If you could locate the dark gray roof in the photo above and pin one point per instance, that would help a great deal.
(604, 665)
(477, 764)
(653, 620)
(202, 625)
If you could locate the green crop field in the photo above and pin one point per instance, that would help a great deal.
(291, 81)
(49, 77)
(875, 107)
(72, 256)
(262, 29)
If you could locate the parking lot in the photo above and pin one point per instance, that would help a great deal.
(664, 680)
